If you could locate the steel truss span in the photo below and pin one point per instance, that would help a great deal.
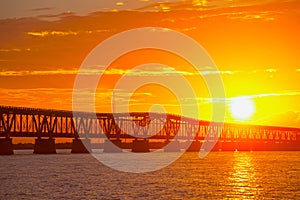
(32, 122)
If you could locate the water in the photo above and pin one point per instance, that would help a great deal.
(220, 175)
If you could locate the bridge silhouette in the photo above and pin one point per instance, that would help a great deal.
(138, 131)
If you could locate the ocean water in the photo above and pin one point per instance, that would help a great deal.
(220, 175)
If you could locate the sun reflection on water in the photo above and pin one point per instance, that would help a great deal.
(242, 178)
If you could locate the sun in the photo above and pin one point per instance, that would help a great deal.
(242, 108)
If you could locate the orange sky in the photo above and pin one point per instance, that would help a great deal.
(254, 45)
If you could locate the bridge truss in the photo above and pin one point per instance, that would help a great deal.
(32, 122)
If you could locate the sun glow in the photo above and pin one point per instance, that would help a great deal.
(242, 108)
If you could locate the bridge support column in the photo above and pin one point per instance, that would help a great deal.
(44, 146)
(273, 146)
(111, 146)
(172, 146)
(228, 146)
(216, 146)
(259, 146)
(194, 147)
(244, 146)
(81, 146)
(140, 146)
(6, 146)
(293, 146)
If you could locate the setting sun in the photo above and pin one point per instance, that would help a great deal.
(241, 108)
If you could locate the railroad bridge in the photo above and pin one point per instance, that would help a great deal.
(137, 131)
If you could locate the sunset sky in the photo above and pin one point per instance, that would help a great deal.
(255, 45)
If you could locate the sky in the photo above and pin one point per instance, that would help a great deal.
(254, 44)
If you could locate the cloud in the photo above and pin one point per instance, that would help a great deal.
(55, 17)
(202, 5)
(14, 50)
(38, 73)
(285, 93)
(94, 70)
(254, 96)
(42, 9)
(52, 33)
(215, 72)
(169, 71)
(189, 29)
(243, 15)
(262, 71)
(65, 33)
(262, 15)
(271, 70)
(119, 3)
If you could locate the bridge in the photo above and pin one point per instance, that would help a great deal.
(137, 131)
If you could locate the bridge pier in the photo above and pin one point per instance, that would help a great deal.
(259, 146)
(216, 146)
(244, 146)
(6, 146)
(228, 146)
(194, 146)
(44, 146)
(272, 146)
(81, 146)
(293, 146)
(140, 146)
(112, 146)
(172, 146)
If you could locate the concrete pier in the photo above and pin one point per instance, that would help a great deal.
(112, 146)
(172, 146)
(194, 147)
(216, 146)
(6, 146)
(273, 146)
(81, 146)
(44, 146)
(140, 146)
(244, 146)
(229, 146)
(293, 146)
(259, 146)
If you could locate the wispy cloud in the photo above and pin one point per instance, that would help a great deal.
(42, 9)
(254, 96)
(189, 29)
(52, 33)
(263, 15)
(271, 70)
(168, 71)
(153, 70)
(14, 50)
(277, 94)
(286, 93)
(203, 5)
(36, 73)
(150, 71)
(66, 33)
(241, 15)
